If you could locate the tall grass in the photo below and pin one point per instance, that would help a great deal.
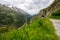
(41, 29)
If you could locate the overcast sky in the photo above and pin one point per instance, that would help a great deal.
(30, 6)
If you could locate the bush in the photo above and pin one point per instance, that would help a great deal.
(55, 14)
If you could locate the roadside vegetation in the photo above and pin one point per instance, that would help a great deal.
(55, 14)
(40, 29)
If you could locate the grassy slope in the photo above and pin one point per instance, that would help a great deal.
(41, 29)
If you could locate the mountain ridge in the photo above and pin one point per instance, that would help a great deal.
(55, 5)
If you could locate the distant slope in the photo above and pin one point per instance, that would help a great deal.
(20, 11)
(13, 16)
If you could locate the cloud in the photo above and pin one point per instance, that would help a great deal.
(30, 6)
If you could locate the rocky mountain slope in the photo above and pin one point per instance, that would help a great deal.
(54, 6)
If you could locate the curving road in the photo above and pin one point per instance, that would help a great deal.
(56, 24)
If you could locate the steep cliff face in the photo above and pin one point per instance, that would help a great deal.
(54, 6)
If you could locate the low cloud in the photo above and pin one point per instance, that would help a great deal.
(30, 6)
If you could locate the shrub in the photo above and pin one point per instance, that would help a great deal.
(55, 14)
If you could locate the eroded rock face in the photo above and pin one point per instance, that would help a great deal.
(55, 5)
